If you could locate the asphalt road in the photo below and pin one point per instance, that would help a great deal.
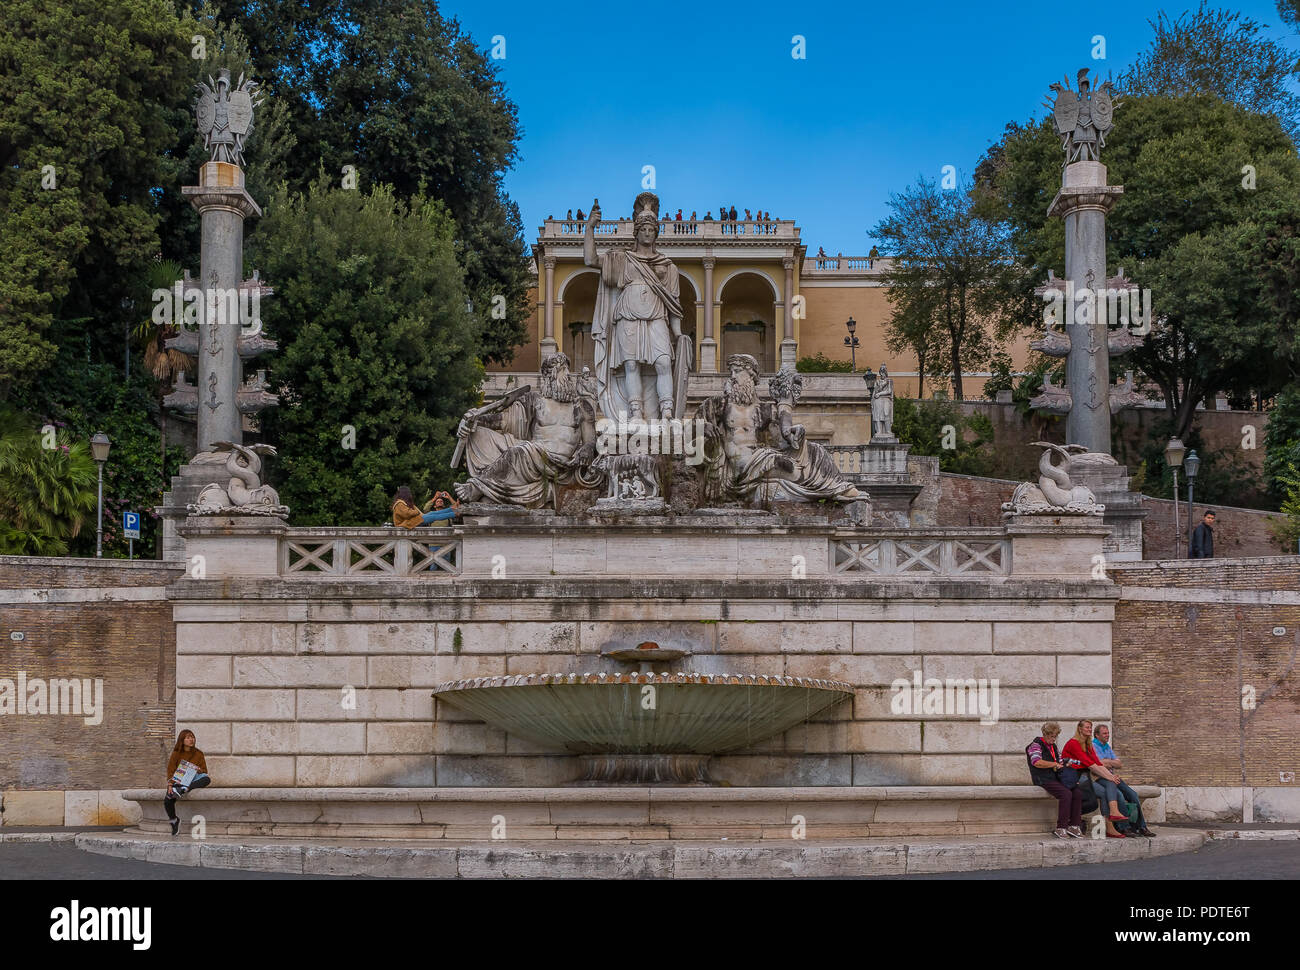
(1228, 859)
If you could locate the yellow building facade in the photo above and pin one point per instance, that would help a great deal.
(747, 287)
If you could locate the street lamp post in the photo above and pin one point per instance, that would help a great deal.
(99, 445)
(1193, 463)
(1174, 452)
(851, 341)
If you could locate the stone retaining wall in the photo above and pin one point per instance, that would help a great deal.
(324, 680)
(91, 620)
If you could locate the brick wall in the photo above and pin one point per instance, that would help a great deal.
(1224, 434)
(1187, 638)
(88, 619)
(967, 500)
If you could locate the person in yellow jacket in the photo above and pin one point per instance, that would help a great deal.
(406, 515)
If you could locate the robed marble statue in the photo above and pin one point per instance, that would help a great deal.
(638, 317)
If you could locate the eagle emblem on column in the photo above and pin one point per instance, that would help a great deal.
(1082, 118)
(225, 116)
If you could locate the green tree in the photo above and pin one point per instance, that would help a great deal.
(82, 398)
(46, 493)
(374, 335)
(1192, 226)
(963, 445)
(821, 364)
(1287, 530)
(87, 92)
(1289, 11)
(1220, 52)
(1282, 441)
(952, 281)
(402, 93)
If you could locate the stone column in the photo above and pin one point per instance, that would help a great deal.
(223, 204)
(789, 349)
(1083, 201)
(708, 345)
(549, 346)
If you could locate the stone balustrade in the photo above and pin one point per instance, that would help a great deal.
(754, 546)
(358, 553)
(687, 230)
(923, 555)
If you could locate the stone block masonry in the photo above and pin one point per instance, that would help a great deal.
(325, 680)
(290, 648)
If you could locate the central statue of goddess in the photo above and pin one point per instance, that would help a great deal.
(637, 319)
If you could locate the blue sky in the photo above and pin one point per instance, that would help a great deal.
(709, 94)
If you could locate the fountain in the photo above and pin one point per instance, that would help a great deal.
(640, 728)
(517, 672)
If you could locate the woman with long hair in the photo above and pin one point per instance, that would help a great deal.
(406, 515)
(187, 770)
(1078, 754)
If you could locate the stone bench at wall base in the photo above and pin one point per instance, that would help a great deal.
(608, 814)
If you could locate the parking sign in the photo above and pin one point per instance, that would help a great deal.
(131, 525)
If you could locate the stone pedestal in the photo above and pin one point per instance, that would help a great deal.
(708, 356)
(1124, 511)
(789, 350)
(186, 485)
(885, 474)
(233, 545)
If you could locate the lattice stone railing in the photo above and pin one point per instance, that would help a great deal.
(368, 553)
(921, 555)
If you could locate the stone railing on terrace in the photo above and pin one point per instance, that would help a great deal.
(708, 547)
(686, 231)
(369, 553)
(362, 553)
(986, 551)
(838, 267)
(862, 459)
(365, 553)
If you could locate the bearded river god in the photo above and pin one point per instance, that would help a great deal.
(521, 449)
(638, 318)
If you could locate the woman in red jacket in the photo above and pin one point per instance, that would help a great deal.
(1077, 754)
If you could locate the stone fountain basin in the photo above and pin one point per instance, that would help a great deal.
(627, 713)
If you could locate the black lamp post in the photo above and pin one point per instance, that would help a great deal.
(99, 445)
(1193, 463)
(1174, 452)
(851, 341)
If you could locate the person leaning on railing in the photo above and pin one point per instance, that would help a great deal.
(440, 508)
